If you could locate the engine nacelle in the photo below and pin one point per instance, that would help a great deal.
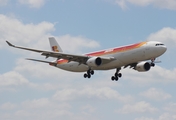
(94, 61)
(143, 66)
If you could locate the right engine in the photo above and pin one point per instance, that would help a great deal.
(143, 67)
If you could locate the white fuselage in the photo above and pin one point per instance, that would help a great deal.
(122, 56)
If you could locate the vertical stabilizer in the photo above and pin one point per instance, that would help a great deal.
(54, 45)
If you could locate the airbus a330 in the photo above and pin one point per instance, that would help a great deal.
(139, 56)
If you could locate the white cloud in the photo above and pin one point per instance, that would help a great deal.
(76, 44)
(103, 93)
(43, 108)
(33, 3)
(3, 2)
(88, 109)
(7, 106)
(167, 116)
(14, 30)
(12, 79)
(155, 75)
(139, 107)
(42, 72)
(37, 103)
(121, 3)
(155, 94)
(165, 4)
(44, 103)
(171, 108)
(20, 114)
(144, 118)
(36, 35)
(141, 2)
(166, 35)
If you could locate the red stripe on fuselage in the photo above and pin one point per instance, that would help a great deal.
(109, 51)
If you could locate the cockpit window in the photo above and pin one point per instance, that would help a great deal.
(158, 44)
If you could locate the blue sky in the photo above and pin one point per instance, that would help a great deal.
(30, 90)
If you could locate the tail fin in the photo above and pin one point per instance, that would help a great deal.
(54, 45)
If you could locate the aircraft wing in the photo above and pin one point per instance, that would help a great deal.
(82, 59)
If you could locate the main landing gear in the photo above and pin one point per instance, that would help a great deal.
(117, 75)
(88, 74)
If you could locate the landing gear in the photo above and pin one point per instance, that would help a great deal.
(117, 75)
(114, 78)
(152, 62)
(88, 74)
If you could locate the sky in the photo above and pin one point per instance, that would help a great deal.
(32, 90)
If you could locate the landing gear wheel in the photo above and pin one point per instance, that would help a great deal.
(120, 74)
(91, 72)
(112, 78)
(88, 75)
(116, 78)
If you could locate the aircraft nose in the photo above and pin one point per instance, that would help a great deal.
(164, 49)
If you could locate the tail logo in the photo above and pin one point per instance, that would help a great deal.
(55, 49)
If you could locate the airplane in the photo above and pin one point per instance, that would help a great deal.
(139, 56)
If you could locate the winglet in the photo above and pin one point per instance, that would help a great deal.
(10, 44)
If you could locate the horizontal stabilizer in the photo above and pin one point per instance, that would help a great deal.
(51, 63)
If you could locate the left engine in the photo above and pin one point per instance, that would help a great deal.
(94, 61)
(143, 66)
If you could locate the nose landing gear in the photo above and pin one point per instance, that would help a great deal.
(153, 62)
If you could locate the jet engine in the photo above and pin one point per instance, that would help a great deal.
(142, 67)
(94, 61)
